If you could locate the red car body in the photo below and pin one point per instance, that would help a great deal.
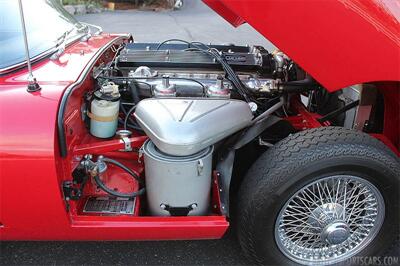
(339, 42)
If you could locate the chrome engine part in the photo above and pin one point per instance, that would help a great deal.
(165, 89)
(191, 71)
(142, 72)
(193, 83)
(177, 185)
(190, 56)
(182, 127)
(219, 90)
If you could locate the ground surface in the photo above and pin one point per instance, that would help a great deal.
(205, 252)
(194, 22)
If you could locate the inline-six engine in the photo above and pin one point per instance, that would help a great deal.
(187, 99)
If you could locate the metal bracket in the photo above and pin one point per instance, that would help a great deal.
(127, 142)
(200, 167)
(367, 100)
(224, 176)
(140, 154)
(71, 193)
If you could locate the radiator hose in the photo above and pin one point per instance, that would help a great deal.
(112, 192)
(299, 86)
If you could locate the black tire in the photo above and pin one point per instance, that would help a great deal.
(301, 159)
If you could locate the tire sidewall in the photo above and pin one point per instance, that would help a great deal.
(375, 172)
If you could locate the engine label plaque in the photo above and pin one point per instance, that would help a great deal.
(106, 205)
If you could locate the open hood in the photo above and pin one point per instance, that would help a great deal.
(339, 42)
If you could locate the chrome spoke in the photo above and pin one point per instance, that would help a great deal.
(329, 220)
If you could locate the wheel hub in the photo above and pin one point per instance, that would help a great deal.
(329, 218)
(325, 214)
(336, 233)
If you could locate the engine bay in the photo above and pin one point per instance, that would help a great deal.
(162, 124)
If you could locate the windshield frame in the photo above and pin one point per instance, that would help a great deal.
(41, 56)
(79, 29)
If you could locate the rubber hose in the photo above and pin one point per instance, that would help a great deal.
(125, 112)
(296, 89)
(113, 192)
(120, 165)
(128, 115)
(134, 92)
(299, 86)
(307, 81)
(130, 125)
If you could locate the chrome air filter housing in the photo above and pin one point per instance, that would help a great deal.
(182, 127)
(177, 185)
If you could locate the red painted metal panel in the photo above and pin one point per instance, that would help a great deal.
(304, 119)
(225, 12)
(100, 147)
(123, 228)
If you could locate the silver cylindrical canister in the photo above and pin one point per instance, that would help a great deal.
(177, 185)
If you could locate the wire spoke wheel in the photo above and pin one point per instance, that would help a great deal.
(329, 220)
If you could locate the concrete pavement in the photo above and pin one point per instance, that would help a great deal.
(194, 22)
(206, 252)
